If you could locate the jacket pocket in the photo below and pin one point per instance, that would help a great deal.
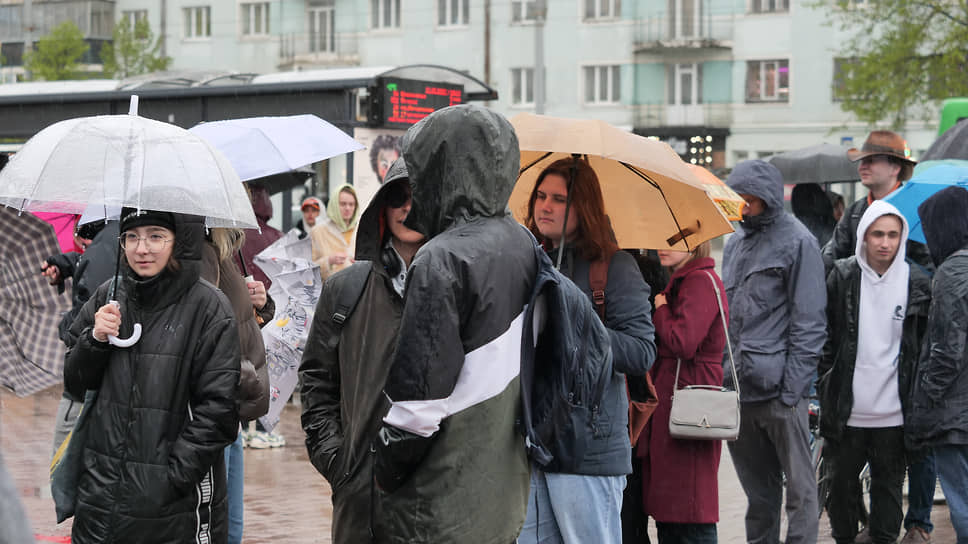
(766, 288)
(761, 366)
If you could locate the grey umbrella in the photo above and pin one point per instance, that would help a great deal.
(824, 163)
(953, 144)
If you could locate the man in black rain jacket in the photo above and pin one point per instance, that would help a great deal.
(449, 458)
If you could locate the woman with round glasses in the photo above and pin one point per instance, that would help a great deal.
(166, 408)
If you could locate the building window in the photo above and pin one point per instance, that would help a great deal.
(322, 38)
(255, 19)
(769, 6)
(603, 84)
(384, 14)
(522, 86)
(841, 66)
(198, 22)
(767, 81)
(603, 9)
(452, 12)
(134, 16)
(522, 10)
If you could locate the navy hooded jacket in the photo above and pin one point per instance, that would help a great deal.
(774, 279)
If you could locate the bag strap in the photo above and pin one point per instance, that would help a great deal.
(597, 280)
(729, 345)
(349, 293)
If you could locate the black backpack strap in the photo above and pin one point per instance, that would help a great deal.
(350, 291)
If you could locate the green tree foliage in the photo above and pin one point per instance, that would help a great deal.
(904, 55)
(57, 53)
(133, 51)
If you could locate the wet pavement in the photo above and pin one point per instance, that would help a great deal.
(285, 498)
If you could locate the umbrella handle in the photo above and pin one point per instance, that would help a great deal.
(127, 342)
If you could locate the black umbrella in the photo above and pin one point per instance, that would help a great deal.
(824, 163)
(953, 144)
(283, 181)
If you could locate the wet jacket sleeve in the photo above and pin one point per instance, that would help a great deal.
(214, 415)
(834, 311)
(807, 298)
(628, 316)
(426, 364)
(86, 358)
(320, 393)
(682, 329)
(947, 335)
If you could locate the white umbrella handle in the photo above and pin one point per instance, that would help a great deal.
(127, 342)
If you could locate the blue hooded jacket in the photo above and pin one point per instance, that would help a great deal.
(774, 279)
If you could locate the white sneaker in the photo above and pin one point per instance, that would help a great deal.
(276, 440)
(259, 440)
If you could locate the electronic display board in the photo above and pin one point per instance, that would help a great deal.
(400, 103)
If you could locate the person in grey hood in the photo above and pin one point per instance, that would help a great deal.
(774, 279)
(345, 364)
(939, 413)
(449, 460)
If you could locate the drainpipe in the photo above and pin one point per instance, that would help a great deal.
(163, 28)
(540, 8)
(28, 31)
(487, 41)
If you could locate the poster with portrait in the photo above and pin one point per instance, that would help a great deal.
(372, 163)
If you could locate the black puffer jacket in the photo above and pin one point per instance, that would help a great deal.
(939, 414)
(840, 351)
(153, 464)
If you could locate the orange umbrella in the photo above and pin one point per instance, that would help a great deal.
(654, 201)
(729, 202)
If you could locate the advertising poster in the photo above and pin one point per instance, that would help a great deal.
(372, 163)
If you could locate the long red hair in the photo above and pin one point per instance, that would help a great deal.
(593, 239)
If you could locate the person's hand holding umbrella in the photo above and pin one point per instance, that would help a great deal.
(107, 322)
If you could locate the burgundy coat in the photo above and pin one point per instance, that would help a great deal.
(679, 477)
(256, 241)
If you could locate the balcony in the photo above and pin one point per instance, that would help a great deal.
(696, 115)
(663, 32)
(95, 18)
(298, 50)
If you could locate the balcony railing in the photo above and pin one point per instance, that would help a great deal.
(711, 31)
(95, 18)
(306, 48)
(664, 116)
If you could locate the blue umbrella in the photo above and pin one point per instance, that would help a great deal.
(920, 188)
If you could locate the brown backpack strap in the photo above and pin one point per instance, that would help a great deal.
(598, 279)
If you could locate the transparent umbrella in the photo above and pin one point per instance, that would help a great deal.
(111, 161)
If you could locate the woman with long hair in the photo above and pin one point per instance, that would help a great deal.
(586, 506)
(333, 238)
(679, 477)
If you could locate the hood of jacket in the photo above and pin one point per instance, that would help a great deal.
(944, 222)
(261, 203)
(762, 180)
(332, 208)
(876, 210)
(463, 163)
(371, 227)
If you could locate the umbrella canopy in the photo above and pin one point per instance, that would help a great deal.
(63, 224)
(262, 146)
(31, 353)
(919, 188)
(729, 202)
(953, 144)
(124, 160)
(824, 163)
(652, 198)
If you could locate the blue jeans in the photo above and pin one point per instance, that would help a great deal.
(573, 509)
(952, 463)
(234, 480)
(922, 476)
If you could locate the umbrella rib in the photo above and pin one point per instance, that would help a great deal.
(534, 162)
(664, 201)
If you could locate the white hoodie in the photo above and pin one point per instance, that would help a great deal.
(883, 304)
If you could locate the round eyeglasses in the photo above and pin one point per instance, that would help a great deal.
(154, 243)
